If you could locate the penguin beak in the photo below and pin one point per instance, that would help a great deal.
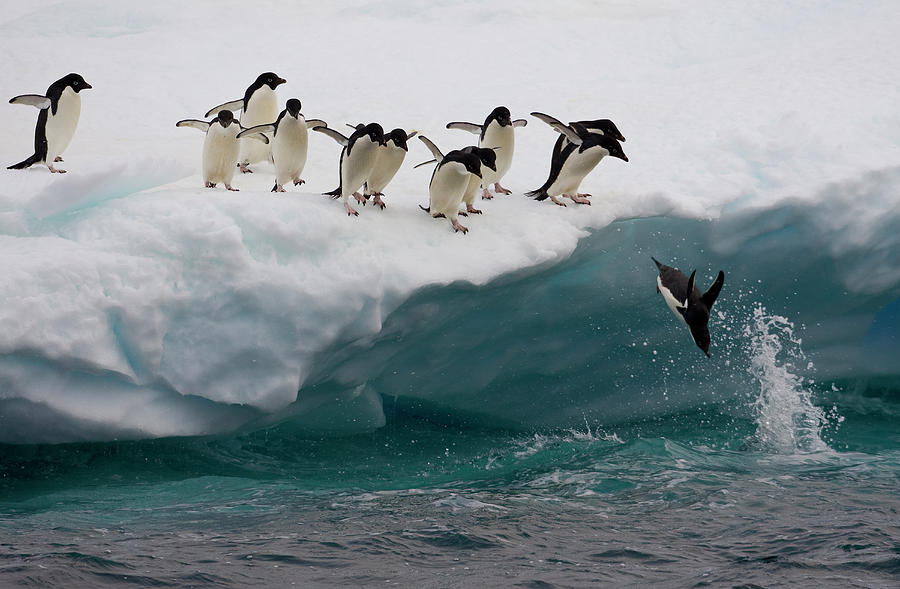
(88, 86)
(624, 157)
(280, 81)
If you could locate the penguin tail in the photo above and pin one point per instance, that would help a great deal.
(426, 209)
(539, 194)
(25, 163)
(334, 193)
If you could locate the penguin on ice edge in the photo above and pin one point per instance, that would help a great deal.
(56, 123)
(449, 182)
(497, 132)
(685, 300)
(488, 159)
(220, 148)
(260, 107)
(290, 143)
(357, 161)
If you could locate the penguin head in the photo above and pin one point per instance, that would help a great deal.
(611, 145)
(375, 132)
(488, 157)
(225, 118)
(500, 114)
(472, 163)
(700, 333)
(605, 126)
(293, 107)
(270, 79)
(75, 82)
(399, 137)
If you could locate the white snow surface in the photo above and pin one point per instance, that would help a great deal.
(127, 267)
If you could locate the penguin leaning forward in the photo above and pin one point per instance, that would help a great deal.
(56, 123)
(449, 182)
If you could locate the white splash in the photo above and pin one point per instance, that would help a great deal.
(787, 420)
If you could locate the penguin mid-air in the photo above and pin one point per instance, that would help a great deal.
(574, 161)
(259, 106)
(686, 301)
(449, 182)
(389, 158)
(498, 133)
(60, 108)
(221, 147)
(290, 143)
(357, 160)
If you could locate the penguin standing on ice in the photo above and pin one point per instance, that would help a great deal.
(357, 161)
(56, 123)
(575, 160)
(685, 300)
(449, 182)
(488, 159)
(498, 133)
(290, 142)
(221, 147)
(388, 161)
(260, 107)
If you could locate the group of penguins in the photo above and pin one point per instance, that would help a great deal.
(370, 158)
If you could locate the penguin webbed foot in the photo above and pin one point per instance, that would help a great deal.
(231, 188)
(360, 198)
(56, 170)
(278, 188)
(557, 201)
(350, 210)
(457, 228)
(58, 159)
(376, 201)
(299, 181)
(244, 168)
(209, 185)
(486, 194)
(579, 199)
(473, 210)
(500, 190)
(463, 213)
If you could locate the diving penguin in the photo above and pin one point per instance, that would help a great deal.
(497, 132)
(290, 142)
(574, 161)
(260, 107)
(56, 123)
(221, 147)
(686, 301)
(357, 160)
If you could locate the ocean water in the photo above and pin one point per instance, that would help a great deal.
(552, 428)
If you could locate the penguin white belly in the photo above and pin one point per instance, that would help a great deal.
(61, 127)
(356, 167)
(220, 153)
(446, 189)
(289, 149)
(471, 192)
(387, 162)
(574, 169)
(262, 109)
(504, 138)
(673, 303)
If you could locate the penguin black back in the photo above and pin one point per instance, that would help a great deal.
(686, 301)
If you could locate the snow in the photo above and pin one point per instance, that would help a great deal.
(131, 294)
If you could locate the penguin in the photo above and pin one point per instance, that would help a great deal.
(221, 147)
(488, 159)
(60, 108)
(260, 107)
(574, 161)
(390, 157)
(497, 132)
(290, 140)
(448, 183)
(686, 301)
(357, 160)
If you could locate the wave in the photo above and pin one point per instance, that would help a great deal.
(117, 331)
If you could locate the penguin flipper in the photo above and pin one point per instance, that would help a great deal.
(35, 100)
(690, 289)
(310, 123)
(270, 128)
(230, 105)
(411, 134)
(559, 127)
(253, 135)
(519, 123)
(434, 161)
(432, 147)
(710, 296)
(470, 127)
(334, 135)
(193, 124)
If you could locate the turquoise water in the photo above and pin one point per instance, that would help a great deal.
(556, 428)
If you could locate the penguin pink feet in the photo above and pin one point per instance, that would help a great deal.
(360, 198)
(557, 201)
(486, 194)
(500, 190)
(472, 209)
(231, 188)
(579, 199)
(56, 170)
(378, 202)
(457, 228)
(245, 168)
(350, 210)
(278, 188)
